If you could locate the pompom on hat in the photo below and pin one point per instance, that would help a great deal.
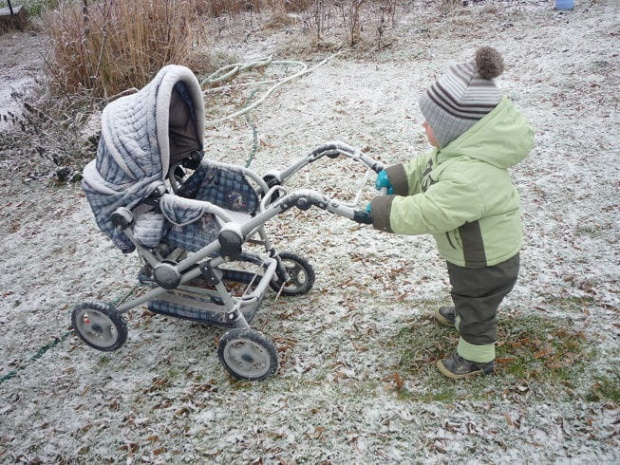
(463, 96)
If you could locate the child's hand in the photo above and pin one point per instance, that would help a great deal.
(383, 181)
(362, 216)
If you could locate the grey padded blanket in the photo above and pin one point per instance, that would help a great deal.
(134, 152)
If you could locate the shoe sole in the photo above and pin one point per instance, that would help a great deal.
(442, 320)
(444, 371)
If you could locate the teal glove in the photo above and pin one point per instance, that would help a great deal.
(383, 181)
(369, 208)
(361, 216)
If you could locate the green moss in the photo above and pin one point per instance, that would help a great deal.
(606, 388)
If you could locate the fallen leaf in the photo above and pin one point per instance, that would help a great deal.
(398, 380)
(542, 353)
(505, 360)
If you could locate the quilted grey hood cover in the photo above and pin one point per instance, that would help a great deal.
(134, 152)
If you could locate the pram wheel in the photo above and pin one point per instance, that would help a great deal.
(300, 272)
(248, 354)
(99, 325)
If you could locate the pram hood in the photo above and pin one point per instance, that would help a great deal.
(142, 136)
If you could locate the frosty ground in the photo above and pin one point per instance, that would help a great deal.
(349, 389)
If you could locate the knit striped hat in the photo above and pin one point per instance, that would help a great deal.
(463, 96)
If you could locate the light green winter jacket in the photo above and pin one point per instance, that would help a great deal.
(462, 194)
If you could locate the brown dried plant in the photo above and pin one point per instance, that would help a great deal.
(109, 46)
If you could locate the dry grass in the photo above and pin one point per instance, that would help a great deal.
(105, 48)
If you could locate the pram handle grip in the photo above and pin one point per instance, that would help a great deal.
(336, 148)
(329, 149)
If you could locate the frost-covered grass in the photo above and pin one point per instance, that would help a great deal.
(357, 382)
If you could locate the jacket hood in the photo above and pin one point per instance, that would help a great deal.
(503, 138)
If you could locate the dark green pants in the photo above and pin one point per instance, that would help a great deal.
(477, 294)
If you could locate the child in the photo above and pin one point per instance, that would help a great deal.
(462, 194)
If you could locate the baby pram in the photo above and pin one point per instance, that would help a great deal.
(192, 222)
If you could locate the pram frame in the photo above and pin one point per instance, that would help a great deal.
(240, 233)
(206, 262)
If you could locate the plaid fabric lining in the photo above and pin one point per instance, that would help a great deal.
(194, 236)
(197, 311)
(206, 309)
(222, 185)
(178, 310)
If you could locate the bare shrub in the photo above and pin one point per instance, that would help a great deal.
(318, 20)
(385, 14)
(104, 48)
(101, 48)
(388, 7)
(279, 14)
(350, 11)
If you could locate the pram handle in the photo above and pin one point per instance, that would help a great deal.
(330, 149)
(233, 235)
(276, 199)
(303, 199)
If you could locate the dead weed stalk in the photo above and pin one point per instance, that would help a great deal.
(107, 47)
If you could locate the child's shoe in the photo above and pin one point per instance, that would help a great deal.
(446, 316)
(456, 367)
